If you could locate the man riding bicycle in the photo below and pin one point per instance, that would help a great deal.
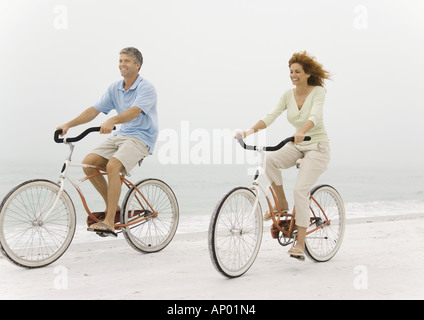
(135, 101)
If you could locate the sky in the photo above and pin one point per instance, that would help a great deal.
(217, 65)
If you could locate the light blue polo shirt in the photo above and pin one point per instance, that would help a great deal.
(142, 94)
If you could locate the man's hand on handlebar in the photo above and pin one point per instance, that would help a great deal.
(107, 127)
(64, 129)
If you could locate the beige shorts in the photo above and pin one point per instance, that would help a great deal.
(128, 150)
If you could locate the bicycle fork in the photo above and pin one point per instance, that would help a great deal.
(38, 221)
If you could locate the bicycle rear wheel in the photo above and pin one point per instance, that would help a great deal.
(29, 236)
(328, 221)
(235, 232)
(156, 231)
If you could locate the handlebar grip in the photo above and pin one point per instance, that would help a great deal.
(307, 138)
(56, 136)
(244, 145)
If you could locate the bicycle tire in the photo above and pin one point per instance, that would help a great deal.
(235, 233)
(25, 238)
(155, 233)
(322, 244)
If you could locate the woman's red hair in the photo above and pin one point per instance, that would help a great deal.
(311, 66)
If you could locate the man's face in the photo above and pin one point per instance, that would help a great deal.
(127, 66)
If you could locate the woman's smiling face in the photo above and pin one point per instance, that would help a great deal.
(297, 75)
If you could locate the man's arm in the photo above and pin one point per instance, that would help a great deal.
(84, 117)
(124, 117)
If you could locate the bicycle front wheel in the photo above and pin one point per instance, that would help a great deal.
(328, 221)
(153, 200)
(235, 232)
(36, 224)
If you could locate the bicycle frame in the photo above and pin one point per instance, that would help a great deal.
(258, 187)
(141, 216)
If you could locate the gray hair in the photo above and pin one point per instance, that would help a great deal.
(133, 52)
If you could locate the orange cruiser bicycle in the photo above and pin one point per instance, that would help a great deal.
(236, 226)
(38, 219)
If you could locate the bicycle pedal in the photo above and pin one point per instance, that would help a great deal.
(102, 234)
(300, 258)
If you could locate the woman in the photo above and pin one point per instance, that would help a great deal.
(304, 105)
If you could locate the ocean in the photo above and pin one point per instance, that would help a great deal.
(367, 192)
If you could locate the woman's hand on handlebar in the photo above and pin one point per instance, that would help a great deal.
(298, 137)
(243, 134)
(256, 128)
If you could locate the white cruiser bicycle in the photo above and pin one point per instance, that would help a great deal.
(236, 226)
(38, 220)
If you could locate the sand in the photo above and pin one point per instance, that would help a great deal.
(380, 258)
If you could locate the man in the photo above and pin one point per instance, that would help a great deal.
(134, 99)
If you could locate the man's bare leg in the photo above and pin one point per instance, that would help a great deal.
(99, 182)
(113, 168)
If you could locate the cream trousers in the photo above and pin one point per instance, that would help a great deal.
(314, 159)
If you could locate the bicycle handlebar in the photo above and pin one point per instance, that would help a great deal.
(75, 139)
(275, 148)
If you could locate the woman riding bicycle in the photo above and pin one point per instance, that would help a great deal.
(304, 105)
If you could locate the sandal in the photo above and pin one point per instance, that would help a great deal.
(101, 216)
(102, 230)
(297, 253)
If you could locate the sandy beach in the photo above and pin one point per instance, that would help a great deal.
(380, 258)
